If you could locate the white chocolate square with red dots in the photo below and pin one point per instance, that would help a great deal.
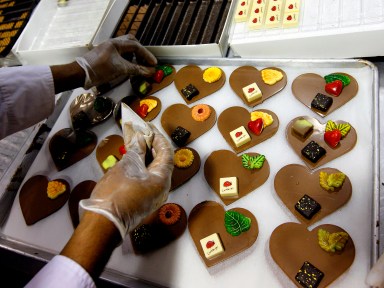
(229, 187)
(259, 2)
(212, 246)
(241, 14)
(291, 20)
(240, 136)
(255, 22)
(252, 92)
(272, 20)
(275, 6)
(291, 6)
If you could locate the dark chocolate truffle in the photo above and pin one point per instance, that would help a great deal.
(309, 276)
(313, 151)
(307, 207)
(321, 102)
(180, 136)
(189, 92)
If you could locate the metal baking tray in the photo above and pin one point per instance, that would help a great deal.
(179, 264)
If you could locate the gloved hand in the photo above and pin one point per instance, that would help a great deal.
(108, 61)
(129, 191)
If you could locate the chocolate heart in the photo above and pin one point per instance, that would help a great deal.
(293, 181)
(34, 202)
(107, 147)
(182, 175)
(82, 191)
(291, 244)
(334, 88)
(297, 143)
(207, 218)
(234, 117)
(306, 86)
(193, 74)
(180, 115)
(246, 75)
(224, 163)
(68, 146)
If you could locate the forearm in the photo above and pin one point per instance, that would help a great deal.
(92, 243)
(67, 77)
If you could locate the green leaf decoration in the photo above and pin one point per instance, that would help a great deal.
(344, 128)
(335, 76)
(330, 126)
(236, 223)
(332, 242)
(252, 162)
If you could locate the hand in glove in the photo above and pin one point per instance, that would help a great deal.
(130, 191)
(108, 61)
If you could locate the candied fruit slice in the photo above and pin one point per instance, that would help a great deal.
(55, 188)
(271, 76)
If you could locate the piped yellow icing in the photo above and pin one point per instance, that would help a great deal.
(212, 74)
(55, 188)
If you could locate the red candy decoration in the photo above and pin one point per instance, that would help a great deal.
(332, 137)
(158, 76)
(238, 134)
(272, 18)
(289, 18)
(210, 244)
(334, 88)
(227, 184)
(250, 90)
(122, 150)
(142, 111)
(290, 6)
(256, 126)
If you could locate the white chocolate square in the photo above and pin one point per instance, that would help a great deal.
(240, 136)
(241, 14)
(259, 2)
(212, 246)
(291, 20)
(291, 6)
(229, 187)
(274, 7)
(252, 92)
(256, 16)
(272, 20)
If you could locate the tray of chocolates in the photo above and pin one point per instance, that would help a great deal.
(254, 182)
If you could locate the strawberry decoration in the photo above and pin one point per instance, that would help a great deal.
(238, 134)
(334, 88)
(227, 184)
(256, 126)
(210, 244)
(143, 110)
(332, 137)
(334, 133)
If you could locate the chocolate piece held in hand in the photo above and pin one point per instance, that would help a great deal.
(321, 102)
(180, 136)
(307, 207)
(309, 276)
(313, 151)
(189, 92)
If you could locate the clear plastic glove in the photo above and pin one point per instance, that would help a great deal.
(375, 277)
(130, 191)
(108, 61)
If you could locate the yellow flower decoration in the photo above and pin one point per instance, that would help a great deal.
(151, 103)
(267, 118)
(183, 158)
(212, 74)
(55, 188)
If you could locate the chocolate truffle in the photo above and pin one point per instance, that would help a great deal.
(180, 136)
(321, 102)
(313, 151)
(309, 276)
(307, 207)
(189, 92)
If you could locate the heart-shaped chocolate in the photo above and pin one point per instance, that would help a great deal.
(246, 75)
(294, 181)
(181, 115)
(82, 191)
(68, 146)
(193, 74)
(182, 175)
(207, 218)
(291, 244)
(345, 145)
(224, 163)
(234, 117)
(34, 201)
(112, 147)
(306, 86)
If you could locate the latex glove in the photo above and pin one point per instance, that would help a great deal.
(375, 277)
(108, 61)
(130, 191)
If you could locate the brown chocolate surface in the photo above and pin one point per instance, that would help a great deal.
(182, 175)
(109, 146)
(180, 115)
(297, 143)
(293, 181)
(306, 86)
(207, 218)
(234, 117)
(245, 75)
(224, 163)
(193, 74)
(291, 244)
(82, 191)
(34, 202)
(68, 147)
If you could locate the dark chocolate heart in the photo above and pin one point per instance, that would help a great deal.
(109, 146)
(246, 75)
(207, 218)
(68, 146)
(306, 86)
(293, 181)
(82, 191)
(224, 163)
(182, 175)
(291, 244)
(34, 201)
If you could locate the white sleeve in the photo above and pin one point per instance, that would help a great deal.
(62, 272)
(27, 96)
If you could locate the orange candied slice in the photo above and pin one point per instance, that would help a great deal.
(267, 118)
(271, 76)
(212, 74)
(201, 112)
(151, 103)
(55, 188)
(169, 213)
(183, 158)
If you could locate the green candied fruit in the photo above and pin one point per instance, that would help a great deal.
(332, 242)
(166, 69)
(236, 223)
(335, 76)
(252, 162)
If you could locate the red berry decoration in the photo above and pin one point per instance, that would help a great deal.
(158, 76)
(210, 244)
(289, 18)
(241, 13)
(272, 18)
(254, 20)
(257, 10)
(238, 134)
(290, 6)
(122, 150)
(273, 8)
(334, 88)
(250, 90)
(256, 126)
(143, 110)
(243, 3)
(332, 137)
(227, 184)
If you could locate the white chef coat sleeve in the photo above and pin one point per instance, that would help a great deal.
(62, 272)
(27, 96)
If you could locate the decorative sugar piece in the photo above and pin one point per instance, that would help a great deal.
(158, 76)
(309, 276)
(271, 76)
(337, 76)
(252, 92)
(267, 118)
(180, 136)
(302, 127)
(240, 136)
(166, 69)
(321, 102)
(189, 92)
(212, 246)
(290, 20)
(183, 158)
(140, 86)
(55, 188)
(236, 223)
(229, 187)
(109, 162)
(151, 103)
(307, 207)
(212, 74)
(332, 242)
(331, 181)
(252, 162)
(313, 151)
(201, 112)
